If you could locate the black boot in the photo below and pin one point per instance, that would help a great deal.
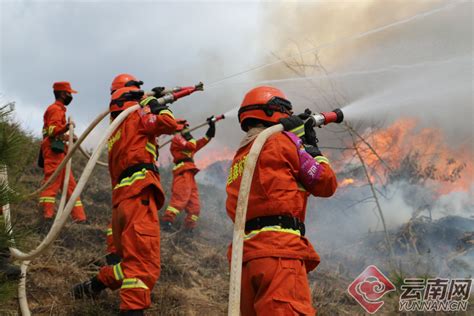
(10, 271)
(135, 312)
(46, 225)
(167, 227)
(91, 288)
(112, 259)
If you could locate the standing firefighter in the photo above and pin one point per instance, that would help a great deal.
(276, 255)
(53, 151)
(185, 195)
(136, 198)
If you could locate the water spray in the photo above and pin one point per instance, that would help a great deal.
(189, 130)
(323, 118)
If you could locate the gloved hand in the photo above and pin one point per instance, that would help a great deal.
(211, 131)
(310, 137)
(155, 107)
(187, 136)
(312, 150)
(295, 121)
(158, 91)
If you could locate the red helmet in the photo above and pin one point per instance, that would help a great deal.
(124, 80)
(182, 124)
(267, 104)
(124, 97)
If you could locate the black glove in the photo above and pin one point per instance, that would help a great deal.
(291, 123)
(295, 121)
(312, 150)
(211, 131)
(156, 107)
(187, 136)
(158, 91)
(310, 137)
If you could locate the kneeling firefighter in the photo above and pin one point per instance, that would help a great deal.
(276, 254)
(185, 195)
(136, 198)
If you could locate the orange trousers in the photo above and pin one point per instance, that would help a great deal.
(48, 196)
(136, 235)
(185, 196)
(275, 287)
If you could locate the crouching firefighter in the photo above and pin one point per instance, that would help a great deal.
(276, 254)
(185, 195)
(136, 198)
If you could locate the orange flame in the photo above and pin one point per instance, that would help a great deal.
(346, 182)
(210, 156)
(422, 153)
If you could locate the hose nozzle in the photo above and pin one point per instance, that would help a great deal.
(324, 118)
(218, 118)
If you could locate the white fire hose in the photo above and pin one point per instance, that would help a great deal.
(240, 216)
(83, 136)
(323, 118)
(63, 212)
(61, 219)
(22, 298)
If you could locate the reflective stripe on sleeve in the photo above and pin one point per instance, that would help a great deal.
(118, 272)
(166, 112)
(51, 130)
(321, 159)
(194, 218)
(151, 149)
(298, 131)
(178, 166)
(109, 232)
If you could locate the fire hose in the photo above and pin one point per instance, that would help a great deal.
(320, 119)
(22, 298)
(61, 220)
(189, 130)
(164, 92)
(64, 211)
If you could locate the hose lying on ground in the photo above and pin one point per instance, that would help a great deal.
(22, 298)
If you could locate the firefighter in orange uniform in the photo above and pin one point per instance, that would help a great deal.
(53, 151)
(276, 255)
(185, 195)
(136, 198)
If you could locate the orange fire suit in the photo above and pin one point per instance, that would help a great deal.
(137, 195)
(276, 259)
(55, 126)
(185, 195)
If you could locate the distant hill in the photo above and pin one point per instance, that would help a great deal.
(215, 174)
